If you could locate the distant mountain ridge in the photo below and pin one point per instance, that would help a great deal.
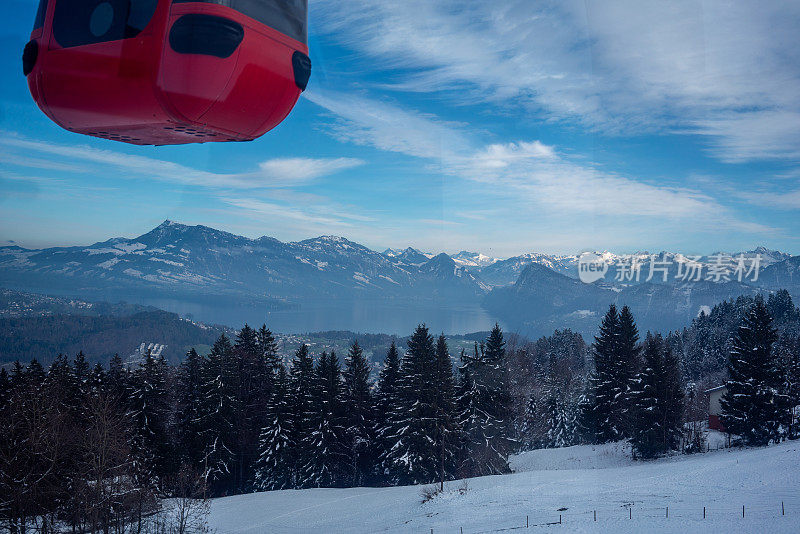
(177, 259)
(534, 291)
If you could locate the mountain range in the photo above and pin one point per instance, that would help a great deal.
(533, 293)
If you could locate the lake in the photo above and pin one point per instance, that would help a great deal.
(358, 316)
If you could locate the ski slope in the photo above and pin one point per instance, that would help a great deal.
(629, 497)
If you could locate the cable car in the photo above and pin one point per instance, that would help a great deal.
(164, 72)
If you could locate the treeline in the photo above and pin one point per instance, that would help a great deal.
(25, 338)
(705, 345)
(99, 448)
(239, 420)
(645, 391)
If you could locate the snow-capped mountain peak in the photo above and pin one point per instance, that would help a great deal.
(473, 259)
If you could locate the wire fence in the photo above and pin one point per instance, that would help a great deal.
(677, 512)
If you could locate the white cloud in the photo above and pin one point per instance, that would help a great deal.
(366, 121)
(788, 200)
(524, 174)
(282, 172)
(305, 169)
(619, 66)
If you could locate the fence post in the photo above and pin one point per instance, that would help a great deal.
(630, 513)
(559, 519)
(783, 510)
(704, 512)
(742, 511)
(667, 512)
(527, 525)
(595, 515)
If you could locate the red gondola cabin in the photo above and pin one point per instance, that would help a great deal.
(167, 72)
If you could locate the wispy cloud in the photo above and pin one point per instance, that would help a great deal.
(280, 172)
(366, 121)
(620, 67)
(526, 173)
(300, 170)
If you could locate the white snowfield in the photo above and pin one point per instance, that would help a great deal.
(629, 497)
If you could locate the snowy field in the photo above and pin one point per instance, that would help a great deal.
(629, 497)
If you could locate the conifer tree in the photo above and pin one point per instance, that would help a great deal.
(559, 425)
(605, 390)
(755, 405)
(488, 435)
(82, 371)
(658, 401)
(116, 378)
(148, 411)
(359, 413)
(386, 398)
(35, 373)
(19, 375)
(189, 402)
(445, 412)
(328, 463)
(529, 431)
(302, 399)
(625, 366)
(61, 383)
(5, 387)
(791, 373)
(273, 469)
(468, 415)
(413, 456)
(269, 350)
(255, 382)
(217, 415)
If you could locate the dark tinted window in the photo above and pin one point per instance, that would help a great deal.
(80, 22)
(40, 14)
(286, 16)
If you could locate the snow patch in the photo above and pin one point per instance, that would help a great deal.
(109, 263)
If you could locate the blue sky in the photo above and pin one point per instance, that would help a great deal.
(501, 127)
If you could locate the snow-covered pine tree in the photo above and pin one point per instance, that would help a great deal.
(255, 385)
(755, 405)
(35, 373)
(148, 412)
(5, 387)
(116, 378)
(446, 412)
(189, 400)
(626, 366)
(559, 426)
(359, 415)
(97, 379)
(217, 416)
(328, 465)
(488, 430)
(269, 350)
(674, 395)
(301, 385)
(386, 398)
(790, 361)
(604, 389)
(467, 408)
(273, 469)
(82, 371)
(413, 455)
(658, 401)
(60, 383)
(529, 432)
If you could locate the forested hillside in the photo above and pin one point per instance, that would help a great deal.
(100, 337)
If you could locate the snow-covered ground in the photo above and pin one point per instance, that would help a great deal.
(629, 497)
